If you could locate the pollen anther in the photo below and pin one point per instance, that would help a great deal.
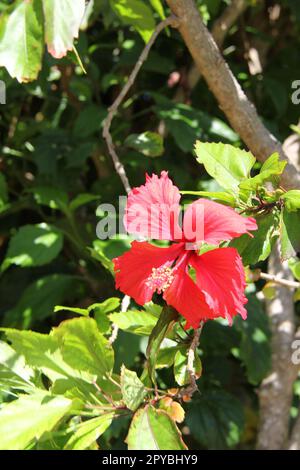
(160, 279)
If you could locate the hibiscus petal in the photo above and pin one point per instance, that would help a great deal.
(152, 210)
(211, 222)
(186, 297)
(134, 268)
(221, 277)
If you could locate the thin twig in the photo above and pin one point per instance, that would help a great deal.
(112, 110)
(192, 387)
(124, 307)
(280, 281)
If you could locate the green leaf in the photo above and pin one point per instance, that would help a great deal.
(138, 322)
(101, 311)
(81, 200)
(39, 299)
(187, 124)
(88, 432)
(137, 14)
(289, 233)
(21, 40)
(294, 265)
(153, 429)
(33, 245)
(167, 318)
(257, 248)
(62, 22)
(215, 419)
(80, 311)
(98, 254)
(13, 371)
(29, 417)
(84, 347)
(133, 390)
(3, 192)
(89, 121)
(180, 366)
(49, 196)
(255, 350)
(226, 164)
(148, 143)
(157, 6)
(271, 169)
(292, 200)
(221, 196)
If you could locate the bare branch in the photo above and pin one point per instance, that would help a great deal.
(192, 387)
(240, 112)
(115, 329)
(278, 280)
(170, 21)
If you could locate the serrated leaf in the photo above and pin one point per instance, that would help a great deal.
(33, 245)
(29, 417)
(221, 196)
(228, 165)
(133, 390)
(292, 200)
(138, 322)
(21, 40)
(148, 143)
(180, 366)
(271, 169)
(258, 248)
(88, 432)
(136, 14)
(84, 347)
(153, 429)
(62, 23)
(101, 311)
(13, 371)
(289, 233)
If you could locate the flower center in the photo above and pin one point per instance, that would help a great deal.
(160, 279)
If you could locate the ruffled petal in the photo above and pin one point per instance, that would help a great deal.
(152, 210)
(212, 222)
(221, 277)
(187, 299)
(144, 269)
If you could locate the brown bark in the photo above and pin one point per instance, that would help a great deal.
(276, 391)
(240, 112)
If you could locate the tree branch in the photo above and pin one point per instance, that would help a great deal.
(278, 280)
(276, 390)
(240, 112)
(192, 387)
(112, 110)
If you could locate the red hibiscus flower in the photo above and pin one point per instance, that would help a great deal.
(153, 211)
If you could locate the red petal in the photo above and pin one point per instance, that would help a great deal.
(153, 209)
(186, 297)
(135, 266)
(221, 278)
(216, 222)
